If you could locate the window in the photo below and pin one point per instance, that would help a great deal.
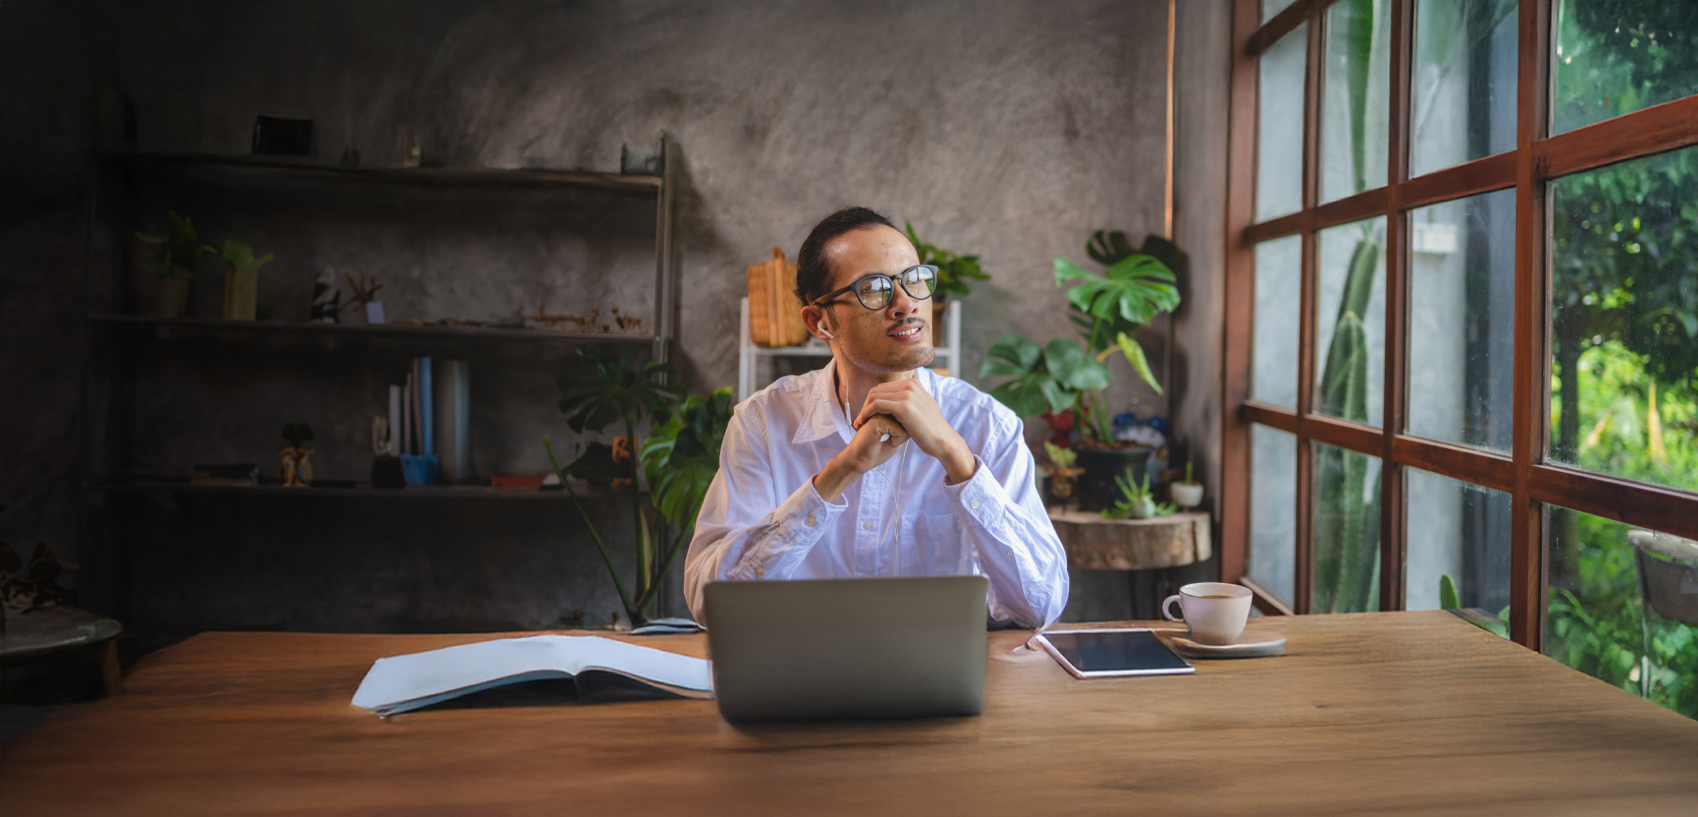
(1462, 318)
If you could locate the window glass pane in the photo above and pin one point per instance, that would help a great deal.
(1615, 57)
(1279, 127)
(1279, 289)
(1355, 103)
(1460, 530)
(1272, 7)
(1347, 531)
(1465, 75)
(1462, 320)
(1273, 510)
(1620, 609)
(1624, 319)
(1350, 341)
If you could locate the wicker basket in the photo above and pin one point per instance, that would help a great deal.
(775, 316)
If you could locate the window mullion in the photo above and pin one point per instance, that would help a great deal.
(1532, 347)
(1393, 544)
(1305, 545)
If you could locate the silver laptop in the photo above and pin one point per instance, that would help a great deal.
(847, 648)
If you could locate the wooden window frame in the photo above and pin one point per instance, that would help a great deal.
(1537, 157)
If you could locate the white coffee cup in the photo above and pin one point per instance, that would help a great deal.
(1215, 611)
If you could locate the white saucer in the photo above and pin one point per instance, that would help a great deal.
(1250, 645)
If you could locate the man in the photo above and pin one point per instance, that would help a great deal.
(875, 465)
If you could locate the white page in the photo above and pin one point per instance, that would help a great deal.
(407, 677)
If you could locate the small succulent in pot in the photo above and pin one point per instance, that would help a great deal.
(1137, 501)
(1187, 493)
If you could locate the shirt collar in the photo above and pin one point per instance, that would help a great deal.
(822, 415)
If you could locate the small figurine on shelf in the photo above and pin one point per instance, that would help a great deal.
(297, 457)
(326, 298)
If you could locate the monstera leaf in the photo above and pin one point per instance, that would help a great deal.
(615, 390)
(1132, 290)
(681, 456)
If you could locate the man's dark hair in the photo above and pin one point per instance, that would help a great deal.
(813, 274)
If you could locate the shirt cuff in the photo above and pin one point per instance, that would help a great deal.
(794, 526)
(980, 497)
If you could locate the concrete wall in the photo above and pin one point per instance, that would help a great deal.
(1010, 130)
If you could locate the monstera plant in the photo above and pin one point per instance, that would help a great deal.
(679, 460)
(1110, 308)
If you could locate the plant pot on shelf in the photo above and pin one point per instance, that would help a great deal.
(1096, 488)
(241, 294)
(1143, 509)
(173, 296)
(1186, 495)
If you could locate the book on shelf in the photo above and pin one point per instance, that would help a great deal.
(404, 683)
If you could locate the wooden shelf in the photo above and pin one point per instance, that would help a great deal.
(189, 327)
(1095, 543)
(260, 169)
(361, 491)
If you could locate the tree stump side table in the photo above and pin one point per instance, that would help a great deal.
(1095, 543)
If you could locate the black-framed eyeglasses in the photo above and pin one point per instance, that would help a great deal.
(875, 291)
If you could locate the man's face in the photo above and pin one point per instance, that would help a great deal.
(896, 338)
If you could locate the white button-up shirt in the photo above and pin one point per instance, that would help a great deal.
(763, 519)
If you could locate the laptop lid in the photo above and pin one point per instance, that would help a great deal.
(847, 648)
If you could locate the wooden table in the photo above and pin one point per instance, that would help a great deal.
(1412, 713)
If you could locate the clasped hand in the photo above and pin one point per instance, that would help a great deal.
(906, 411)
(908, 406)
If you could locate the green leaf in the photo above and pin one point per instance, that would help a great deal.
(1019, 353)
(1066, 270)
(616, 392)
(1449, 599)
(1135, 355)
(241, 257)
(681, 456)
(1072, 367)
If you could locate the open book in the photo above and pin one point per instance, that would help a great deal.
(407, 682)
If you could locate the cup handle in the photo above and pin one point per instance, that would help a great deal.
(1168, 615)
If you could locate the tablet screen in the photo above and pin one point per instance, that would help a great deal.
(1116, 651)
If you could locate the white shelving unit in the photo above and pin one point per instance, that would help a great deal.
(749, 355)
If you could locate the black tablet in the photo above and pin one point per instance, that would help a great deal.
(1108, 652)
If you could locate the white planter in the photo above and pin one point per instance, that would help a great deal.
(1186, 494)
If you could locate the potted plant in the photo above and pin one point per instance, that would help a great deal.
(173, 257)
(1109, 309)
(1061, 472)
(1067, 377)
(241, 280)
(1136, 500)
(953, 272)
(679, 459)
(1188, 493)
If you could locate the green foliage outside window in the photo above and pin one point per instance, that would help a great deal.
(1624, 337)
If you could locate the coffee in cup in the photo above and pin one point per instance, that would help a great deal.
(1214, 611)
